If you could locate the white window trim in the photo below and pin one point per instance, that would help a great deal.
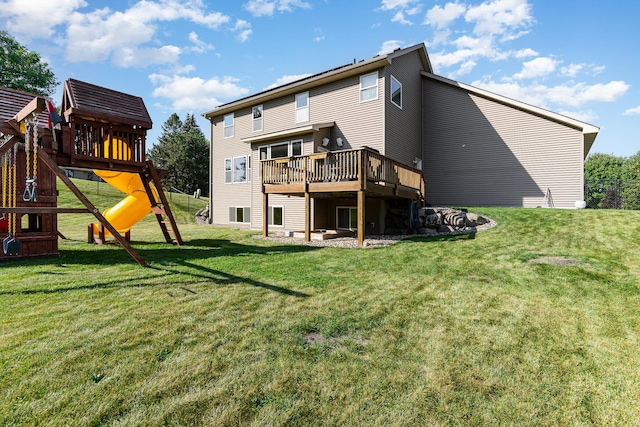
(261, 119)
(300, 109)
(393, 79)
(289, 148)
(225, 127)
(270, 216)
(350, 208)
(247, 179)
(362, 89)
(244, 217)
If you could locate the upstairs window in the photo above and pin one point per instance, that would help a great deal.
(228, 125)
(396, 92)
(256, 112)
(369, 87)
(302, 107)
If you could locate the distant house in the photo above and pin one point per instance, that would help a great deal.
(336, 150)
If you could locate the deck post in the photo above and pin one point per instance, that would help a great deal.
(361, 217)
(307, 204)
(307, 216)
(265, 213)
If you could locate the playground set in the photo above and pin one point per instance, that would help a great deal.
(99, 129)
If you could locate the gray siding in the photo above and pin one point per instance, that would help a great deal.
(403, 138)
(479, 152)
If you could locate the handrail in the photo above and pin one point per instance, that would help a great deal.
(345, 165)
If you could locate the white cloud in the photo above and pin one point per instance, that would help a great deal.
(286, 79)
(573, 95)
(525, 53)
(441, 17)
(267, 7)
(104, 34)
(260, 7)
(500, 17)
(573, 70)
(538, 67)
(244, 29)
(632, 111)
(37, 18)
(492, 22)
(198, 45)
(402, 8)
(400, 19)
(389, 46)
(192, 93)
(396, 4)
(244, 36)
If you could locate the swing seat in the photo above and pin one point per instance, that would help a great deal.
(10, 246)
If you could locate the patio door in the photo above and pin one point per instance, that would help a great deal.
(347, 218)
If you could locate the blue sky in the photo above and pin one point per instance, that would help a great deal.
(575, 57)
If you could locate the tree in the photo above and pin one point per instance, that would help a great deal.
(602, 172)
(631, 182)
(183, 150)
(22, 69)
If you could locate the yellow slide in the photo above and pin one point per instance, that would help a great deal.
(132, 208)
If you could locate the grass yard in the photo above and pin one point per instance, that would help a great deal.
(232, 330)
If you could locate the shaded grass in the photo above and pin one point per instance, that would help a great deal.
(430, 331)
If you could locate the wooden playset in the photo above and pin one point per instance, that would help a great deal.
(99, 129)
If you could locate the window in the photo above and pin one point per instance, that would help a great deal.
(228, 171)
(369, 87)
(347, 218)
(396, 92)
(228, 125)
(281, 149)
(302, 107)
(296, 148)
(276, 216)
(239, 214)
(256, 112)
(237, 169)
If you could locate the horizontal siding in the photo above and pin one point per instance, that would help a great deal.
(293, 206)
(358, 124)
(225, 195)
(481, 152)
(403, 139)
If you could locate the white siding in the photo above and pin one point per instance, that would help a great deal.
(479, 152)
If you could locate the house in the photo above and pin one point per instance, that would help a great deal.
(337, 149)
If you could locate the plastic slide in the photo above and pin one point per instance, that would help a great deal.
(132, 208)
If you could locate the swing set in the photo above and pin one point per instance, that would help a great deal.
(100, 130)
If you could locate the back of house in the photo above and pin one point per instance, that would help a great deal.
(472, 147)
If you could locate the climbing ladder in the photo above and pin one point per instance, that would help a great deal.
(160, 208)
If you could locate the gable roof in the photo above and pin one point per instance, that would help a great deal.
(322, 78)
(97, 102)
(589, 131)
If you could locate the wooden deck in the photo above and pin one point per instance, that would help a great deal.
(363, 172)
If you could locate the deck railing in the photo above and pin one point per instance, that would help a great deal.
(349, 165)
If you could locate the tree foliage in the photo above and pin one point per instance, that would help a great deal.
(22, 69)
(613, 181)
(183, 150)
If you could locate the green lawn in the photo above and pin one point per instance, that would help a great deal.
(231, 330)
